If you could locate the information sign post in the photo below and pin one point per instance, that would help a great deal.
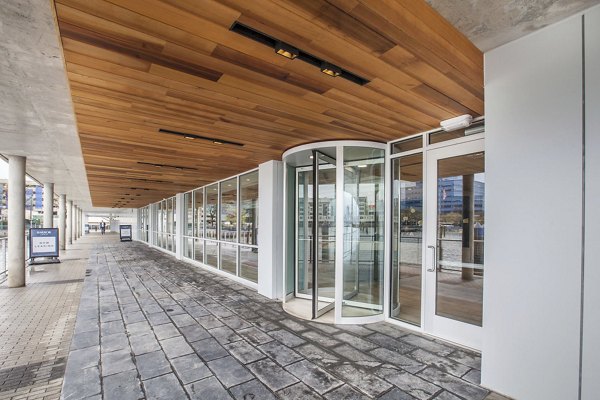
(43, 243)
(125, 233)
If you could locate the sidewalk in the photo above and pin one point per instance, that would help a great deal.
(150, 326)
(36, 326)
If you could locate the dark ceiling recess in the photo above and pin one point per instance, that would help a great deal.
(293, 53)
(166, 166)
(192, 136)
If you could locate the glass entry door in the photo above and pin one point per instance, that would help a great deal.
(315, 259)
(455, 219)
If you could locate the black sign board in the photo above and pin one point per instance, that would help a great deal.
(43, 242)
(125, 233)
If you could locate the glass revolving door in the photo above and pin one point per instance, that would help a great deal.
(335, 194)
(364, 220)
(315, 259)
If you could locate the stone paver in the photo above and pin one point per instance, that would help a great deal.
(160, 328)
(37, 325)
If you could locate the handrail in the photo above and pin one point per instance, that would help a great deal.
(3, 251)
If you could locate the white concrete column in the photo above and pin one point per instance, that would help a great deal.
(270, 232)
(69, 230)
(80, 222)
(16, 221)
(76, 223)
(62, 221)
(179, 216)
(85, 219)
(48, 204)
(152, 223)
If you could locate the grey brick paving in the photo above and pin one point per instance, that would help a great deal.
(151, 365)
(168, 330)
(190, 368)
(229, 371)
(122, 386)
(252, 390)
(208, 388)
(37, 325)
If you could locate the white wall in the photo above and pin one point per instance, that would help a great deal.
(591, 317)
(270, 229)
(532, 292)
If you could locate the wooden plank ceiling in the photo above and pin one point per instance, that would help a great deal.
(136, 66)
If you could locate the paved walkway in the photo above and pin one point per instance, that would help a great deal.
(152, 327)
(36, 327)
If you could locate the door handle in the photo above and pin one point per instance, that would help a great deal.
(434, 267)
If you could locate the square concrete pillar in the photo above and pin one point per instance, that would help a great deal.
(270, 229)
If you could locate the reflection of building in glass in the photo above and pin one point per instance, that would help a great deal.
(451, 194)
(411, 195)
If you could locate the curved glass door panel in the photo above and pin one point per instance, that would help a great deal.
(324, 273)
(335, 224)
(363, 231)
(304, 260)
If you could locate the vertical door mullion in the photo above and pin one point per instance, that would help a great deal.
(238, 234)
(339, 234)
(315, 244)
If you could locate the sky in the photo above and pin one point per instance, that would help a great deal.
(4, 171)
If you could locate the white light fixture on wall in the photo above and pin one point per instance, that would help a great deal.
(460, 122)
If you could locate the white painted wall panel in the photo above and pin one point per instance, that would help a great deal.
(533, 214)
(591, 318)
(270, 229)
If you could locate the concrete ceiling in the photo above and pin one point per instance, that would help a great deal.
(492, 23)
(35, 102)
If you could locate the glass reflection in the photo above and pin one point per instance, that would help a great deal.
(249, 208)
(460, 235)
(199, 213)
(249, 263)
(228, 207)
(212, 199)
(407, 238)
(363, 231)
(304, 231)
(199, 250)
(188, 224)
(229, 258)
(188, 247)
(212, 253)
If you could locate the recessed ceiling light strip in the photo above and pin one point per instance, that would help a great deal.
(167, 166)
(291, 52)
(194, 136)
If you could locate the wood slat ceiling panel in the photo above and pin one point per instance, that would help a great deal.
(136, 66)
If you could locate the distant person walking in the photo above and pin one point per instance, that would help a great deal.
(102, 227)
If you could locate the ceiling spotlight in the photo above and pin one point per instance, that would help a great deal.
(330, 69)
(189, 137)
(290, 52)
(217, 142)
(362, 166)
(286, 50)
(460, 122)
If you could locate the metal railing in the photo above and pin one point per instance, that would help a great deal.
(3, 256)
(3, 250)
